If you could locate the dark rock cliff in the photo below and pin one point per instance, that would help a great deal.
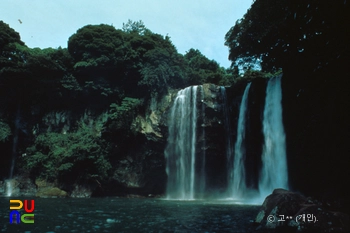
(315, 120)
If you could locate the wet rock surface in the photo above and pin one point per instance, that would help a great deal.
(80, 191)
(289, 211)
(17, 186)
(46, 189)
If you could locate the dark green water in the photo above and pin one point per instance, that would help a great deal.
(132, 215)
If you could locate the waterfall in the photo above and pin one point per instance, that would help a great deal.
(237, 184)
(274, 172)
(180, 152)
(9, 183)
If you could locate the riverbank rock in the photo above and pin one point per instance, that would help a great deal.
(51, 192)
(284, 209)
(17, 186)
(46, 189)
(80, 191)
(9, 188)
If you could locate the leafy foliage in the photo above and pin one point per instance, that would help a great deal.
(80, 156)
(5, 131)
(162, 69)
(96, 45)
(105, 78)
(8, 36)
(123, 114)
(283, 33)
(135, 27)
(203, 70)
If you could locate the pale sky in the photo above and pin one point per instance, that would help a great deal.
(198, 24)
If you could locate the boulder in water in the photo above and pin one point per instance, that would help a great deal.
(286, 209)
(51, 192)
(47, 189)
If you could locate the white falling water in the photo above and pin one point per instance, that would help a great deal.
(274, 172)
(9, 185)
(180, 153)
(8, 188)
(238, 183)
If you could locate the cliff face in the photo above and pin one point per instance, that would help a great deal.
(211, 144)
(140, 166)
(314, 117)
(143, 169)
(44, 139)
(136, 154)
(140, 169)
(316, 124)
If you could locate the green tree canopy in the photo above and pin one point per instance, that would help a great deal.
(10, 44)
(74, 157)
(135, 27)
(281, 32)
(108, 58)
(8, 36)
(201, 69)
(5, 131)
(96, 45)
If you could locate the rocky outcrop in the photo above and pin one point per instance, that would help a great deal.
(140, 169)
(17, 186)
(317, 129)
(46, 189)
(80, 191)
(23, 186)
(211, 135)
(284, 209)
(152, 123)
(51, 192)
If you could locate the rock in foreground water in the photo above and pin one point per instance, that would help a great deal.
(286, 209)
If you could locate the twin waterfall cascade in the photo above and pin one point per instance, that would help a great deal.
(181, 149)
(201, 158)
(274, 172)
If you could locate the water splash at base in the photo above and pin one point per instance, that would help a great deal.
(8, 188)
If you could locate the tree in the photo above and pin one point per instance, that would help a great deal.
(135, 27)
(70, 157)
(122, 115)
(8, 36)
(5, 131)
(10, 41)
(154, 63)
(13, 71)
(283, 33)
(163, 67)
(201, 69)
(96, 46)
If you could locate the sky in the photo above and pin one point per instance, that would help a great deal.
(198, 24)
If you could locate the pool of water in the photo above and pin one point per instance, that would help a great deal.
(132, 215)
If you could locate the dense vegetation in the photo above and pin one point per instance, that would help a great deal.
(309, 41)
(283, 34)
(73, 108)
(87, 94)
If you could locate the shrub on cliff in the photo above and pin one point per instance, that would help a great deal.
(76, 156)
(5, 131)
